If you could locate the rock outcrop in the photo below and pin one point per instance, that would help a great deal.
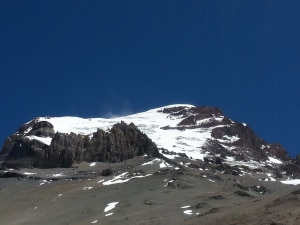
(121, 142)
(229, 138)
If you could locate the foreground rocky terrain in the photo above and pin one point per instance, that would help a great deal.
(177, 164)
(145, 191)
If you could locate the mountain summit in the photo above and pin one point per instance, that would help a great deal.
(198, 133)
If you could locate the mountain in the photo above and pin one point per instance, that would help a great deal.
(177, 164)
(198, 133)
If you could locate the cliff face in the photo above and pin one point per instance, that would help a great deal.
(121, 142)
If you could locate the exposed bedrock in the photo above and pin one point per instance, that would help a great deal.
(121, 142)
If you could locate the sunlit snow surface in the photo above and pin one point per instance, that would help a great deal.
(110, 206)
(292, 182)
(123, 178)
(45, 140)
(273, 160)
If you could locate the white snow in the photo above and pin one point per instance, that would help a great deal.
(268, 179)
(164, 164)
(93, 164)
(166, 185)
(186, 206)
(28, 173)
(188, 212)
(123, 178)
(45, 140)
(292, 182)
(45, 182)
(58, 175)
(87, 188)
(151, 162)
(230, 158)
(251, 163)
(117, 179)
(229, 139)
(274, 160)
(110, 206)
(95, 221)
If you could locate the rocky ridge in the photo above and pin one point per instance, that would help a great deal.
(121, 142)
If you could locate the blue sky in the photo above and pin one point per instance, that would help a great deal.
(97, 58)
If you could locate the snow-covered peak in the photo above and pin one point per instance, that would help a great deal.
(177, 129)
(85, 126)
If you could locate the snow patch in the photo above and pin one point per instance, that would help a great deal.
(93, 164)
(151, 162)
(58, 175)
(123, 178)
(274, 160)
(188, 212)
(87, 188)
(211, 180)
(45, 140)
(291, 182)
(164, 164)
(45, 182)
(28, 173)
(110, 206)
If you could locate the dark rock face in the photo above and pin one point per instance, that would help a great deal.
(199, 112)
(20, 151)
(291, 169)
(120, 143)
(123, 142)
(62, 152)
(298, 159)
(37, 128)
(278, 151)
(246, 146)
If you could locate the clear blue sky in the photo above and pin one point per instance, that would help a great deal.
(95, 58)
